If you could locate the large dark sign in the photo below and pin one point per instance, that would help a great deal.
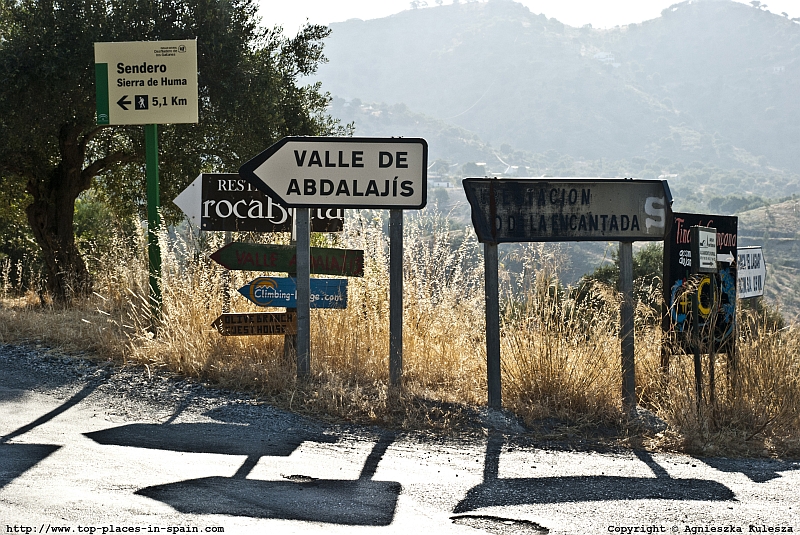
(678, 278)
(225, 201)
(568, 209)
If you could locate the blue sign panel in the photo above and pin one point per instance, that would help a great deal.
(282, 292)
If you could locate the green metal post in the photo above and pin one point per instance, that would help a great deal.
(153, 220)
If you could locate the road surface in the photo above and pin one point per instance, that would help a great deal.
(97, 449)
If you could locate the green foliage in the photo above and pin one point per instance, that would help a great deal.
(471, 169)
(647, 269)
(250, 95)
(732, 204)
(760, 315)
(18, 250)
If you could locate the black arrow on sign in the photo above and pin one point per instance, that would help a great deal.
(122, 102)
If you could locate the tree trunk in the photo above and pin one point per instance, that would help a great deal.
(67, 275)
(51, 215)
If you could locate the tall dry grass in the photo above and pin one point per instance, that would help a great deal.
(560, 348)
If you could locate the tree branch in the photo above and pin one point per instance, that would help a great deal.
(98, 166)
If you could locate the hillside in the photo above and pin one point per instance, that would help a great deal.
(709, 81)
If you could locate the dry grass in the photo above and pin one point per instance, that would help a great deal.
(561, 353)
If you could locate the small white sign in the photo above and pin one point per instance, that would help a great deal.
(146, 82)
(751, 270)
(707, 249)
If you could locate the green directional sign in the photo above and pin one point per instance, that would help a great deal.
(283, 258)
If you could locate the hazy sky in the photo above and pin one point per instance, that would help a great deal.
(291, 14)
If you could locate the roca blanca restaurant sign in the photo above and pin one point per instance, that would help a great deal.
(345, 172)
(568, 209)
(225, 201)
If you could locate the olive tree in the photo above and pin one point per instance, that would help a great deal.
(250, 95)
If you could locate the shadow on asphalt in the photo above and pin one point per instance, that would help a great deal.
(355, 503)
(68, 404)
(758, 470)
(520, 491)
(361, 502)
(16, 459)
(230, 439)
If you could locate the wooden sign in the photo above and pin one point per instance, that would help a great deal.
(283, 258)
(256, 323)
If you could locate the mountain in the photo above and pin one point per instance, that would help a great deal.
(709, 82)
(702, 96)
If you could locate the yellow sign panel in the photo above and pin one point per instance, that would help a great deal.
(146, 82)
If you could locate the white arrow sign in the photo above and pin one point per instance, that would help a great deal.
(346, 172)
(225, 201)
(190, 200)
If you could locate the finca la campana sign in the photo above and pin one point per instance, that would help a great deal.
(679, 267)
(568, 209)
(146, 82)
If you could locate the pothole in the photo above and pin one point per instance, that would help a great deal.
(499, 526)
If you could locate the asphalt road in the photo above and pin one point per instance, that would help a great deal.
(103, 450)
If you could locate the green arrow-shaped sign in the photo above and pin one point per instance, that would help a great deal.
(283, 258)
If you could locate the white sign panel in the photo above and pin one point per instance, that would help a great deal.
(751, 270)
(707, 249)
(346, 172)
(146, 82)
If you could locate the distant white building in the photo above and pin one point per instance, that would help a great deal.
(604, 57)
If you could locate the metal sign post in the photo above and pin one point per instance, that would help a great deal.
(626, 331)
(346, 172)
(395, 297)
(147, 83)
(303, 293)
(703, 241)
(153, 221)
(566, 209)
(492, 295)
